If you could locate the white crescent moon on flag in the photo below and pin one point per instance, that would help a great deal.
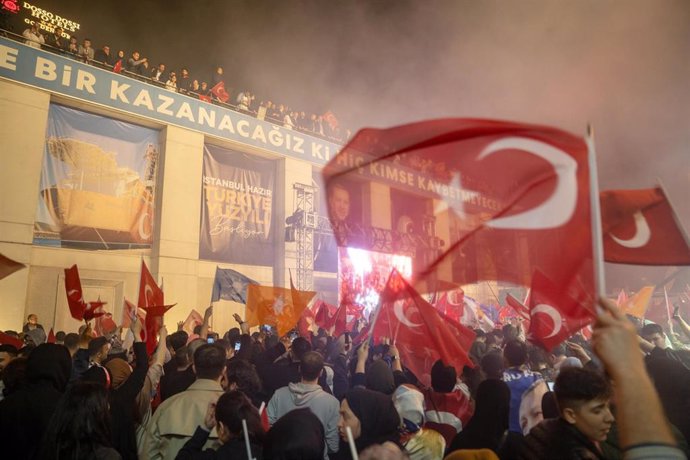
(400, 314)
(553, 314)
(560, 206)
(642, 233)
(147, 289)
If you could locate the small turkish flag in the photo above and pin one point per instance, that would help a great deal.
(75, 298)
(51, 336)
(554, 315)
(219, 91)
(640, 227)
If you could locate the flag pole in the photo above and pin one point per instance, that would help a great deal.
(668, 312)
(597, 237)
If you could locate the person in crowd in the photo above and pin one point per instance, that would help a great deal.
(120, 61)
(644, 431)
(242, 376)
(182, 378)
(34, 37)
(103, 55)
(174, 342)
(672, 383)
(25, 414)
(13, 377)
(143, 70)
(72, 343)
(518, 378)
(92, 352)
(144, 402)
(278, 366)
(226, 416)
(56, 40)
(492, 365)
(185, 82)
(420, 442)
(372, 419)
(124, 386)
(60, 337)
(7, 354)
(654, 342)
(73, 47)
(80, 426)
(177, 418)
(448, 406)
(32, 324)
(217, 76)
(308, 393)
(297, 435)
(585, 419)
(171, 83)
(488, 426)
(204, 90)
(134, 62)
(86, 51)
(194, 88)
(157, 74)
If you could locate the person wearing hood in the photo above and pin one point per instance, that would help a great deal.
(24, 415)
(308, 394)
(372, 418)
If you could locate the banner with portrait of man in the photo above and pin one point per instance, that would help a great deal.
(97, 182)
(237, 218)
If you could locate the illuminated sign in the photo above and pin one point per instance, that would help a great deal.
(48, 20)
(10, 5)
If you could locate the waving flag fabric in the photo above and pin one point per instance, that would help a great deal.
(510, 198)
(640, 227)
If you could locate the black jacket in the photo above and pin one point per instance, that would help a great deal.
(234, 449)
(556, 438)
(123, 408)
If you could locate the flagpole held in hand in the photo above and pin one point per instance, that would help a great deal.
(246, 439)
(597, 238)
(351, 443)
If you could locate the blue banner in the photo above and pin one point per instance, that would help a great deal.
(97, 185)
(68, 77)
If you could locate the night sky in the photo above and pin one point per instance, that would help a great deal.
(624, 66)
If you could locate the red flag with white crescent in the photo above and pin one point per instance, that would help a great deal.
(509, 198)
(554, 315)
(640, 227)
(421, 334)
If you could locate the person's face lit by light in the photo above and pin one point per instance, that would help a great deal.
(339, 203)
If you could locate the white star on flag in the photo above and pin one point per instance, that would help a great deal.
(458, 206)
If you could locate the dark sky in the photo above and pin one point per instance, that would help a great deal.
(622, 65)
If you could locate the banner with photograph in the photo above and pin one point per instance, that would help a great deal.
(97, 182)
(237, 219)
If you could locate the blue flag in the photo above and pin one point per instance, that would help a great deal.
(230, 285)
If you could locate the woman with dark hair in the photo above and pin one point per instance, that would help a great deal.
(372, 418)
(297, 435)
(487, 427)
(226, 416)
(80, 426)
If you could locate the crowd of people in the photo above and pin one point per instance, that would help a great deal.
(255, 395)
(208, 89)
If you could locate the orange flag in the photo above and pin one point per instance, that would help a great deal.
(276, 306)
(637, 304)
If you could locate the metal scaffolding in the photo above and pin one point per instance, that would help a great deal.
(305, 225)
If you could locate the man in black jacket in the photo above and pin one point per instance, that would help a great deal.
(585, 419)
